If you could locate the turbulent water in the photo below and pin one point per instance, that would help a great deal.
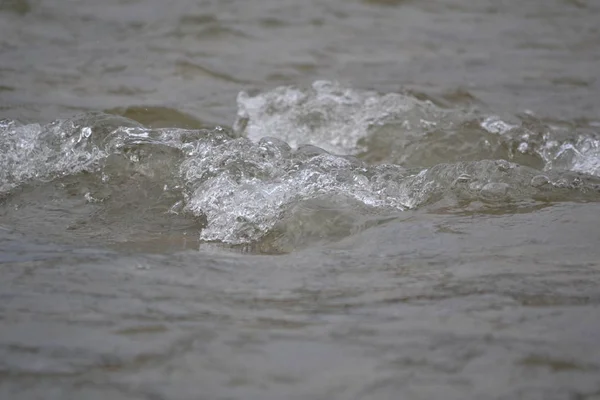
(189, 210)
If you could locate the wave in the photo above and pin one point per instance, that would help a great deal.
(321, 162)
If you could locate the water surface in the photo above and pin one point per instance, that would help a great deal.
(369, 199)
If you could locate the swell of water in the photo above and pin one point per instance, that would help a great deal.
(428, 238)
(299, 166)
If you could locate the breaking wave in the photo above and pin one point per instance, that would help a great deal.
(302, 163)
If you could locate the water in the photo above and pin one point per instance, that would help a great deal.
(327, 200)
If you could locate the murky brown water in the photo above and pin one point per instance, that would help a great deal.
(444, 246)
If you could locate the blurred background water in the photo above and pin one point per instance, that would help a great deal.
(326, 199)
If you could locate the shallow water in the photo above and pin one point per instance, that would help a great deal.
(263, 199)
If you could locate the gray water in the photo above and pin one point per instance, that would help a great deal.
(258, 199)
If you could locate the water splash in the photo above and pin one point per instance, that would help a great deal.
(560, 148)
(248, 189)
(328, 115)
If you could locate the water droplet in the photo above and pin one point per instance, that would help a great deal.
(523, 147)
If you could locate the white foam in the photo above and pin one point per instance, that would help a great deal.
(326, 115)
